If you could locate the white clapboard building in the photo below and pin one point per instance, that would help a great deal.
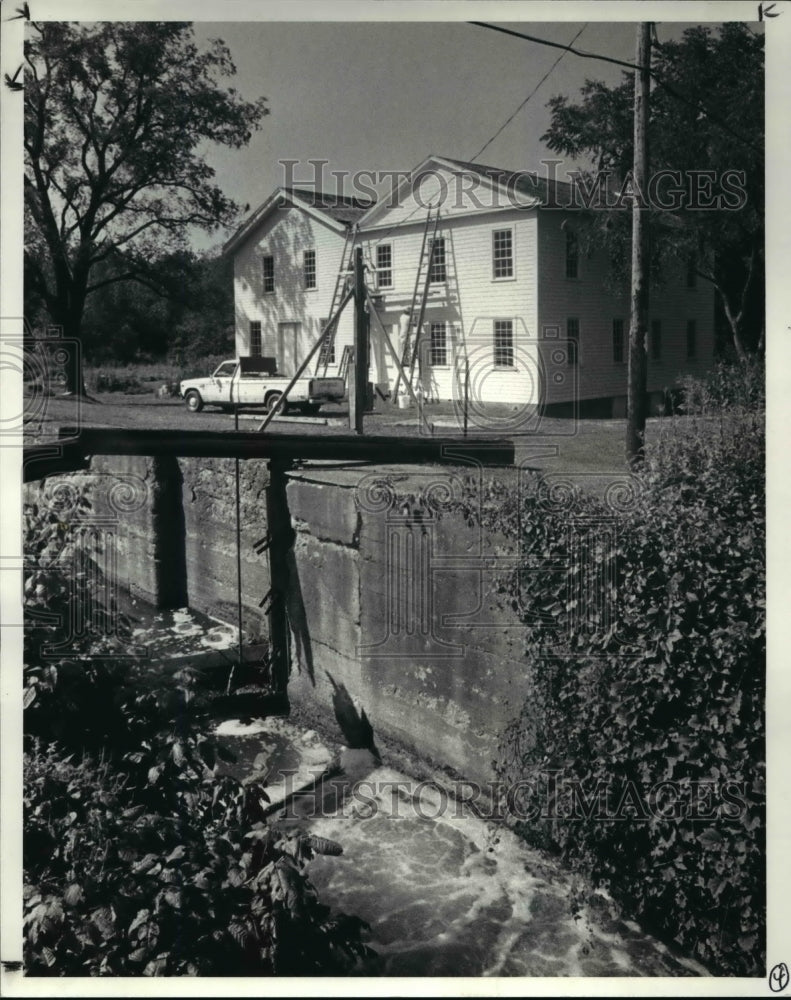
(514, 304)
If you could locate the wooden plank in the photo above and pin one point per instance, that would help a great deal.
(43, 460)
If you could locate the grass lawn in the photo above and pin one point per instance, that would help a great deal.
(593, 447)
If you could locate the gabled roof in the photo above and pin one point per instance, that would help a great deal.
(529, 185)
(526, 182)
(337, 211)
(339, 207)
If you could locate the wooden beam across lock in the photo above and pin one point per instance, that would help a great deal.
(75, 446)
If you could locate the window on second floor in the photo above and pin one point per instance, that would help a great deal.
(572, 254)
(439, 344)
(384, 265)
(309, 268)
(438, 272)
(617, 341)
(268, 270)
(502, 253)
(692, 273)
(503, 343)
(573, 337)
(655, 340)
(255, 338)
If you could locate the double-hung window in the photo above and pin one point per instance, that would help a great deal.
(309, 268)
(384, 265)
(255, 338)
(502, 253)
(439, 344)
(268, 272)
(503, 343)
(438, 272)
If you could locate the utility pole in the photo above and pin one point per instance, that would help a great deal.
(360, 380)
(636, 399)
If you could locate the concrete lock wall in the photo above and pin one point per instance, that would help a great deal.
(400, 610)
(390, 594)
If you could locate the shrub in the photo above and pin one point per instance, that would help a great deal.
(670, 688)
(141, 856)
(730, 387)
(137, 378)
(113, 380)
(159, 866)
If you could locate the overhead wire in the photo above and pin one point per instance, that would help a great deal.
(490, 141)
(508, 120)
(696, 105)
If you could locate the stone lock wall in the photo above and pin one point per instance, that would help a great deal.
(402, 609)
(391, 594)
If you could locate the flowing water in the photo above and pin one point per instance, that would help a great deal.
(444, 892)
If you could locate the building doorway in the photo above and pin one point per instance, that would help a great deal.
(288, 347)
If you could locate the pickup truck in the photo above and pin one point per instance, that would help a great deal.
(253, 381)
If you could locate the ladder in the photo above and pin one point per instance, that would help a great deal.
(325, 350)
(343, 367)
(409, 355)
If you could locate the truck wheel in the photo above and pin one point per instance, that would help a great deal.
(194, 401)
(272, 401)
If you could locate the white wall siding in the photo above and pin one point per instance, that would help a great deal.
(284, 235)
(469, 301)
(458, 194)
(538, 300)
(587, 299)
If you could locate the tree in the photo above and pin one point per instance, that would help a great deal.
(117, 116)
(707, 114)
(184, 311)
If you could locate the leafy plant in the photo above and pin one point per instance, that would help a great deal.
(668, 689)
(142, 857)
(167, 868)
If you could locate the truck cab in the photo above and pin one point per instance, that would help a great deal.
(254, 381)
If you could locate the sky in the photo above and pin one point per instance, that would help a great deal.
(384, 95)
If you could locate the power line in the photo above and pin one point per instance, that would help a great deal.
(524, 102)
(554, 45)
(696, 105)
